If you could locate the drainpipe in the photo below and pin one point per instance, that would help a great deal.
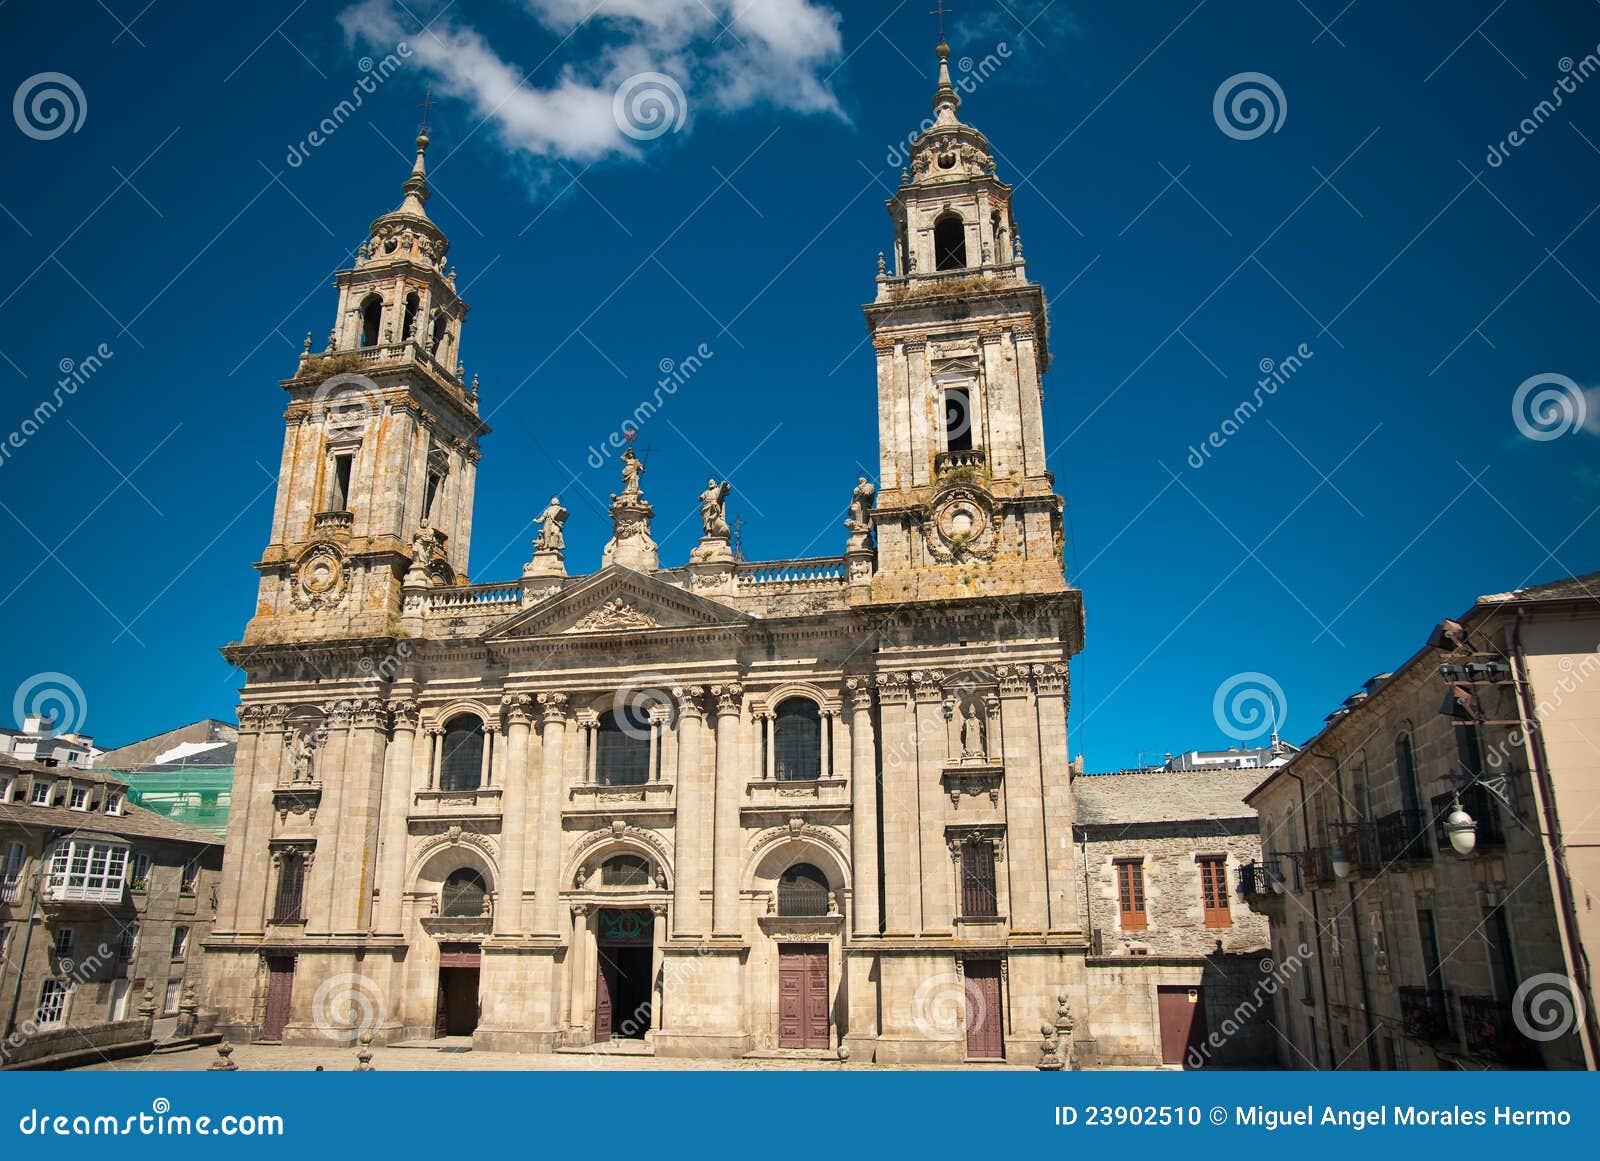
(1316, 919)
(1355, 921)
(1552, 842)
(27, 931)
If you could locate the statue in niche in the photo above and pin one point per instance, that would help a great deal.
(974, 743)
(423, 545)
(301, 747)
(713, 509)
(860, 506)
(551, 538)
(632, 469)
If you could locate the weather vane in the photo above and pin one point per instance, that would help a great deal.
(427, 104)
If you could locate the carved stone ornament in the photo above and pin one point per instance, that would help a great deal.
(321, 577)
(615, 614)
(961, 527)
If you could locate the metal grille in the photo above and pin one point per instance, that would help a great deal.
(622, 748)
(797, 734)
(291, 889)
(625, 871)
(462, 763)
(802, 890)
(462, 896)
(977, 878)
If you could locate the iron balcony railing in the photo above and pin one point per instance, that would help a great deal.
(1253, 882)
(1316, 866)
(1426, 1013)
(1358, 843)
(1403, 837)
(1492, 1033)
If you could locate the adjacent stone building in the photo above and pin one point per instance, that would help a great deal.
(1172, 955)
(1429, 857)
(104, 908)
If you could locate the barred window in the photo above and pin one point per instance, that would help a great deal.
(797, 736)
(625, 871)
(802, 890)
(461, 765)
(463, 894)
(291, 888)
(978, 896)
(52, 1004)
(622, 747)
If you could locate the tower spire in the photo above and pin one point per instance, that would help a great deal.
(945, 98)
(416, 184)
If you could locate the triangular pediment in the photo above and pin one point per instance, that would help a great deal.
(617, 600)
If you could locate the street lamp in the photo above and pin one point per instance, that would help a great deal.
(1460, 828)
(1341, 858)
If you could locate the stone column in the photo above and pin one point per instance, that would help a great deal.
(578, 957)
(251, 769)
(658, 937)
(547, 887)
(725, 812)
(825, 761)
(766, 731)
(396, 805)
(361, 808)
(902, 856)
(588, 722)
(486, 759)
(437, 763)
(322, 880)
(257, 811)
(928, 758)
(1055, 769)
(1025, 850)
(518, 709)
(863, 807)
(687, 860)
(658, 717)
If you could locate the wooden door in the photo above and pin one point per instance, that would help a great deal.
(1182, 1011)
(280, 987)
(985, 1020)
(802, 995)
(605, 988)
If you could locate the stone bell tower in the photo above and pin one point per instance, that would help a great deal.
(965, 505)
(380, 446)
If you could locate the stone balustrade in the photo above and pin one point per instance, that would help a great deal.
(456, 598)
(789, 576)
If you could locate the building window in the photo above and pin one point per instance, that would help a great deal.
(802, 891)
(191, 876)
(5, 790)
(1405, 766)
(342, 465)
(622, 747)
(957, 419)
(291, 888)
(65, 939)
(41, 793)
(114, 803)
(174, 990)
(128, 942)
(371, 320)
(87, 872)
(463, 894)
(413, 305)
(797, 737)
(1214, 890)
(461, 764)
(52, 1009)
(11, 871)
(141, 872)
(625, 871)
(80, 798)
(950, 243)
(978, 896)
(180, 942)
(1130, 893)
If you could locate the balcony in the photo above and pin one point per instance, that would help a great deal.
(1481, 805)
(335, 524)
(1358, 843)
(64, 895)
(1425, 1014)
(1403, 837)
(970, 464)
(1316, 866)
(1492, 1034)
(1252, 880)
(11, 892)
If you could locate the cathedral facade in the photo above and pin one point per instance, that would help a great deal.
(720, 807)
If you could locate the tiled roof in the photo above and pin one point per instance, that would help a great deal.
(10, 765)
(134, 822)
(1158, 795)
(1567, 588)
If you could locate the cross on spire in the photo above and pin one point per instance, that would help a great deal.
(941, 12)
(427, 103)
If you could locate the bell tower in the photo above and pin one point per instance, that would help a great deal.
(380, 446)
(966, 506)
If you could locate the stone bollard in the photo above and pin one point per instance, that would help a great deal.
(844, 1054)
(147, 1010)
(224, 1061)
(1049, 1055)
(186, 1013)
(1064, 1031)
(364, 1054)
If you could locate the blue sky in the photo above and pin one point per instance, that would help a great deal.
(1382, 485)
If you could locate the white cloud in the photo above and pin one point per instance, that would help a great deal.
(727, 55)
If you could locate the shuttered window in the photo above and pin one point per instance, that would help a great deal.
(1214, 890)
(1130, 893)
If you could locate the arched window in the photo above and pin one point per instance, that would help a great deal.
(797, 736)
(371, 320)
(625, 871)
(802, 890)
(441, 331)
(413, 305)
(461, 766)
(463, 894)
(622, 747)
(1405, 769)
(950, 243)
(957, 419)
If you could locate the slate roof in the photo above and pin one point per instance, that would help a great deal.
(1159, 795)
(134, 822)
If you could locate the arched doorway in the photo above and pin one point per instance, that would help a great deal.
(624, 1001)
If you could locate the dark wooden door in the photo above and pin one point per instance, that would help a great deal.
(985, 1020)
(605, 988)
(1183, 1021)
(458, 991)
(802, 995)
(280, 988)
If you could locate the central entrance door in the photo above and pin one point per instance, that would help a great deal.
(456, 1013)
(280, 987)
(1183, 1021)
(623, 999)
(802, 995)
(985, 1040)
